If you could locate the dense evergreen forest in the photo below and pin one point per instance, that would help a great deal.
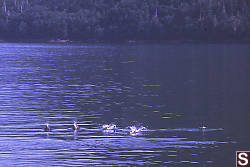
(125, 19)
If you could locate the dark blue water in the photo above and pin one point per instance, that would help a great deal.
(171, 89)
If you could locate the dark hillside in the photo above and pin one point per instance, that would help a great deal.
(125, 19)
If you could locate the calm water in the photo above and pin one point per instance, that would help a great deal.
(171, 89)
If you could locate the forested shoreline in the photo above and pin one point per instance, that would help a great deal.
(80, 20)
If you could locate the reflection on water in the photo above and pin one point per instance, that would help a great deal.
(169, 90)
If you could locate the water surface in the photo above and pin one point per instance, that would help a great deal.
(171, 89)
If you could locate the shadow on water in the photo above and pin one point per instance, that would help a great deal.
(171, 90)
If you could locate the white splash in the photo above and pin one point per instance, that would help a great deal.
(136, 130)
(109, 127)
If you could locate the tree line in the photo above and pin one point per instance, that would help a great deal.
(125, 19)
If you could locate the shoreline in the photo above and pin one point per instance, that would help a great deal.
(172, 41)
